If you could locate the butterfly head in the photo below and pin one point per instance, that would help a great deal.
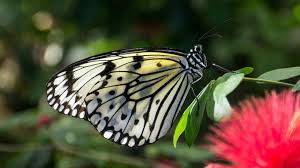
(197, 58)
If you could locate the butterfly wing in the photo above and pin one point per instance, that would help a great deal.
(132, 97)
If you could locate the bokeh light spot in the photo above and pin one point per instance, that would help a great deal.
(70, 137)
(53, 54)
(42, 20)
(9, 74)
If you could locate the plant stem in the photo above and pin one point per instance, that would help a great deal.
(268, 81)
(18, 147)
(103, 156)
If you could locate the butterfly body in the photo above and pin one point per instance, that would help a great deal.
(131, 96)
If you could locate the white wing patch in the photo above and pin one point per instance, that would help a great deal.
(131, 98)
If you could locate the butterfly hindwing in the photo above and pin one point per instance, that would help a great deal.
(131, 97)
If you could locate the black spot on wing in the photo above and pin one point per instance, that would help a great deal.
(136, 121)
(123, 116)
(120, 78)
(109, 66)
(137, 65)
(104, 84)
(108, 76)
(157, 101)
(112, 92)
(138, 58)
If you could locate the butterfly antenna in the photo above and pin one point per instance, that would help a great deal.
(213, 35)
(204, 35)
(212, 29)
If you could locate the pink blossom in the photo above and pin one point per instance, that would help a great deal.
(262, 133)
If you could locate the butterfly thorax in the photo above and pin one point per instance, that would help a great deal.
(197, 61)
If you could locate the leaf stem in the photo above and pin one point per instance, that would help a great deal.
(268, 81)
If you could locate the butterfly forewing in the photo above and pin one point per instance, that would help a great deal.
(130, 96)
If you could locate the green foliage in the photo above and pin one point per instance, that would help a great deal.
(182, 152)
(297, 86)
(296, 11)
(181, 125)
(196, 114)
(214, 99)
(222, 107)
(27, 119)
(245, 70)
(191, 119)
(211, 100)
(281, 74)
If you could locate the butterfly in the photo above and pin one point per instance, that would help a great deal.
(131, 96)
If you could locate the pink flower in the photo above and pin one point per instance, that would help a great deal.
(262, 133)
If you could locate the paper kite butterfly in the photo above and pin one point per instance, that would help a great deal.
(130, 96)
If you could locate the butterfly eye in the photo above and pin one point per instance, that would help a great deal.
(198, 48)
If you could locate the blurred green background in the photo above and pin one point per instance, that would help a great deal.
(37, 38)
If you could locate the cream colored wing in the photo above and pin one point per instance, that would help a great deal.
(130, 96)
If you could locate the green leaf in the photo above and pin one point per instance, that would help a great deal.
(281, 74)
(196, 114)
(181, 124)
(210, 102)
(190, 121)
(222, 107)
(210, 106)
(245, 70)
(297, 86)
(226, 87)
